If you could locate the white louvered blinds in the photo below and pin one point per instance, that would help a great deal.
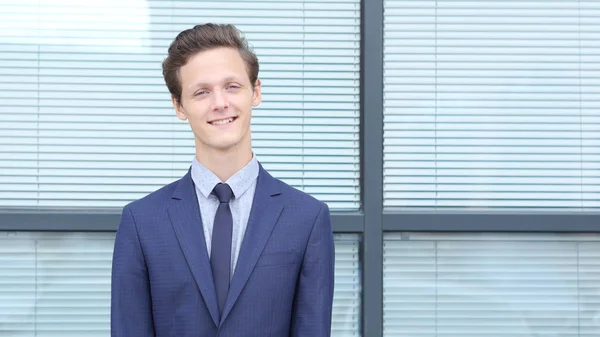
(517, 285)
(55, 284)
(58, 285)
(492, 104)
(347, 309)
(86, 120)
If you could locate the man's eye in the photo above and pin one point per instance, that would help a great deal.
(233, 87)
(199, 93)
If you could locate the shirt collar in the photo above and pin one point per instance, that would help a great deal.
(205, 180)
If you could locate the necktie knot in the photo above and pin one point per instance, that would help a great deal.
(223, 192)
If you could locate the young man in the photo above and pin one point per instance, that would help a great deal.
(227, 250)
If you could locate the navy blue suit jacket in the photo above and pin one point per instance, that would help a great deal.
(282, 286)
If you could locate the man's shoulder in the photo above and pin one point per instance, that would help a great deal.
(296, 197)
(301, 208)
(155, 199)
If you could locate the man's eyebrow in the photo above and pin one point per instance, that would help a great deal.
(204, 84)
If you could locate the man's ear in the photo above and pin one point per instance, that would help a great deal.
(178, 108)
(257, 94)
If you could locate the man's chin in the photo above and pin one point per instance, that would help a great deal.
(222, 143)
(225, 145)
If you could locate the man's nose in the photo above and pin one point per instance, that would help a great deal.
(219, 100)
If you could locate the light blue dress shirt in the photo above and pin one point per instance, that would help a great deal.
(243, 185)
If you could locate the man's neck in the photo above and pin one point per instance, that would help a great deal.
(224, 164)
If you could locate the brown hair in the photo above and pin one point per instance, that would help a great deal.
(202, 38)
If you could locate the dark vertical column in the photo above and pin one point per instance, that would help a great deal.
(372, 164)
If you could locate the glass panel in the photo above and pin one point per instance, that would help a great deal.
(456, 285)
(491, 104)
(58, 284)
(87, 121)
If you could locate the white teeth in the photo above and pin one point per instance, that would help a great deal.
(222, 121)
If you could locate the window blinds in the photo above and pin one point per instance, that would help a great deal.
(492, 104)
(86, 120)
(58, 285)
(55, 284)
(347, 308)
(450, 285)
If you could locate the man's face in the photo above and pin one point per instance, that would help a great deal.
(217, 99)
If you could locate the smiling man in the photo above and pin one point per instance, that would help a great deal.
(227, 250)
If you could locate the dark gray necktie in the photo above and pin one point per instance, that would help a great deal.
(220, 253)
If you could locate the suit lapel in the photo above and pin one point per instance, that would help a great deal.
(266, 208)
(184, 213)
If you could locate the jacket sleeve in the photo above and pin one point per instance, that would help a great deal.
(311, 315)
(131, 308)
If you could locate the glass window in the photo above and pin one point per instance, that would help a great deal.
(86, 119)
(491, 104)
(491, 285)
(58, 284)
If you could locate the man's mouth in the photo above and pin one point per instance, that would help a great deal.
(223, 121)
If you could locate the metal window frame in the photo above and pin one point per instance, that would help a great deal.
(108, 221)
(372, 221)
(371, 140)
(492, 221)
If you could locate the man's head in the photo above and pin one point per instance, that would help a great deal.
(212, 76)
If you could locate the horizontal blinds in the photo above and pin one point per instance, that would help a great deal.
(58, 285)
(492, 104)
(86, 120)
(347, 309)
(491, 285)
(55, 284)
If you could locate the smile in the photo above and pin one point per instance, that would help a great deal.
(223, 121)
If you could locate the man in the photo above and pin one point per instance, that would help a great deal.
(227, 250)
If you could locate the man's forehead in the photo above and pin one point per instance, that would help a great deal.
(217, 55)
(216, 66)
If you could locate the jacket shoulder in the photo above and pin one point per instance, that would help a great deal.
(299, 198)
(154, 199)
